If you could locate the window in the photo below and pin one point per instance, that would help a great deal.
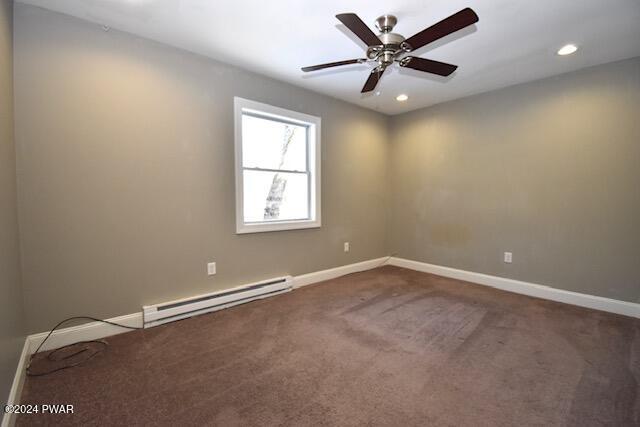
(277, 168)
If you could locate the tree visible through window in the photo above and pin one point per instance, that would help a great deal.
(278, 166)
(279, 183)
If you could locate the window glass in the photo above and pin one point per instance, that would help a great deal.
(271, 144)
(275, 196)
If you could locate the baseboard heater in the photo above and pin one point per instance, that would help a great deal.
(154, 315)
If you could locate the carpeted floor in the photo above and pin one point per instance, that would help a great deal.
(384, 347)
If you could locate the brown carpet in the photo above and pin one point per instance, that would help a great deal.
(384, 347)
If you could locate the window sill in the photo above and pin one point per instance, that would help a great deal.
(262, 227)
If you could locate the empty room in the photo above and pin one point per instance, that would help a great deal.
(299, 213)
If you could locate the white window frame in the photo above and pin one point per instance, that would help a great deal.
(313, 124)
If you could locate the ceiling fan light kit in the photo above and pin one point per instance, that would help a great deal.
(389, 47)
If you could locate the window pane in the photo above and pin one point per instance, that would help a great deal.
(270, 144)
(271, 196)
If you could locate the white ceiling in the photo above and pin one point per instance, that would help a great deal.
(514, 41)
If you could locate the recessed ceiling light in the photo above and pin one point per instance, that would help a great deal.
(567, 49)
(402, 97)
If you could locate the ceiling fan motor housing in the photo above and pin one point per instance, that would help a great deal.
(391, 42)
(385, 23)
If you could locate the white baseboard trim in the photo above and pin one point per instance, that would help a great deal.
(332, 273)
(97, 330)
(525, 288)
(84, 332)
(16, 387)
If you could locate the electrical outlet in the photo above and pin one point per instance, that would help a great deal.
(508, 257)
(346, 246)
(211, 268)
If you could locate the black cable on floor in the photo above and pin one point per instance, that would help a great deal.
(84, 347)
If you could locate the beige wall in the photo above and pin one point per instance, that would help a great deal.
(11, 313)
(125, 155)
(548, 170)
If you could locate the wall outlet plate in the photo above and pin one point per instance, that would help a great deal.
(211, 268)
(346, 247)
(508, 257)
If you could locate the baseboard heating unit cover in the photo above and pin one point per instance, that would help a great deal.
(158, 314)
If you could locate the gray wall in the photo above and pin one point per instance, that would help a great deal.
(11, 313)
(125, 177)
(549, 170)
(126, 173)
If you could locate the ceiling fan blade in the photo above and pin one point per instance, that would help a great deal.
(359, 28)
(449, 25)
(373, 80)
(428, 65)
(333, 64)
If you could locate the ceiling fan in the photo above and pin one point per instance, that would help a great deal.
(387, 47)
